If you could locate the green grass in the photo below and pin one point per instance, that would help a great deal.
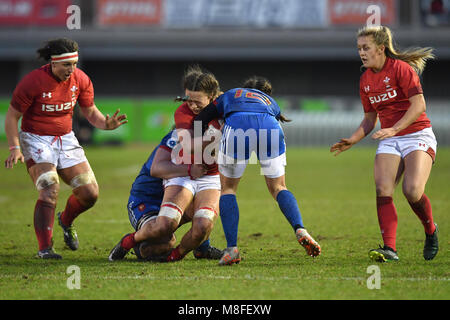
(336, 197)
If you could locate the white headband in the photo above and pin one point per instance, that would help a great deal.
(70, 56)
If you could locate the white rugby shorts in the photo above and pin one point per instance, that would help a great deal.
(195, 186)
(61, 151)
(271, 168)
(423, 140)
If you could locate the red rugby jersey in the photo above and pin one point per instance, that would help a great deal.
(184, 119)
(387, 92)
(47, 103)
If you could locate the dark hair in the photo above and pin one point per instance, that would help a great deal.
(57, 46)
(263, 85)
(197, 79)
(258, 83)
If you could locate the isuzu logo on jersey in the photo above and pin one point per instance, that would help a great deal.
(58, 107)
(383, 97)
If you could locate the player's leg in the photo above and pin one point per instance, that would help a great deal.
(289, 207)
(46, 180)
(81, 179)
(206, 203)
(388, 169)
(417, 171)
(41, 159)
(176, 199)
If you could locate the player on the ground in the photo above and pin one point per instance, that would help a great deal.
(252, 118)
(390, 90)
(201, 88)
(144, 204)
(45, 99)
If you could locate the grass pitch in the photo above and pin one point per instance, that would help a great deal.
(337, 201)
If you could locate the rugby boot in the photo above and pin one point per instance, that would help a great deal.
(383, 254)
(48, 253)
(211, 253)
(118, 252)
(306, 241)
(230, 256)
(431, 247)
(70, 234)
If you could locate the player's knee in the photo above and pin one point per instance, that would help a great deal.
(413, 191)
(49, 194)
(275, 190)
(204, 221)
(48, 186)
(87, 195)
(384, 190)
(171, 211)
(83, 179)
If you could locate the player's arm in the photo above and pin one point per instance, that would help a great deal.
(162, 167)
(366, 126)
(416, 108)
(12, 135)
(98, 120)
(209, 113)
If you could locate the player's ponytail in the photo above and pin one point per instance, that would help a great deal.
(56, 47)
(263, 85)
(415, 57)
(258, 83)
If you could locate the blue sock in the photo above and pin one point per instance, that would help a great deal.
(229, 215)
(288, 205)
(204, 246)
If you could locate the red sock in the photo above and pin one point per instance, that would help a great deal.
(422, 208)
(72, 210)
(128, 242)
(387, 218)
(175, 255)
(44, 216)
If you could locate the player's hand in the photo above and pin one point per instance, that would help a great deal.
(341, 146)
(115, 121)
(198, 170)
(384, 133)
(14, 156)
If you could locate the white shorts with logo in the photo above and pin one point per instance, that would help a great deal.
(61, 151)
(195, 186)
(423, 140)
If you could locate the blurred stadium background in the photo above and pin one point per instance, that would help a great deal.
(135, 52)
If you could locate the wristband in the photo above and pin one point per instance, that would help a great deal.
(14, 147)
(189, 171)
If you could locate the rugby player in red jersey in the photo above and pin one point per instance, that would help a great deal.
(45, 99)
(201, 88)
(390, 90)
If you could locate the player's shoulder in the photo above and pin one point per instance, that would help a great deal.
(35, 79)
(81, 76)
(170, 140)
(183, 110)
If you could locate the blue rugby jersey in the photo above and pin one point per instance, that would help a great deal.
(147, 188)
(246, 100)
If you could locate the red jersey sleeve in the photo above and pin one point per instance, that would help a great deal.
(408, 80)
(86, 96)
(24, 93)
(184, 117)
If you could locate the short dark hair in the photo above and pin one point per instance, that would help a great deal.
(57, 46)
